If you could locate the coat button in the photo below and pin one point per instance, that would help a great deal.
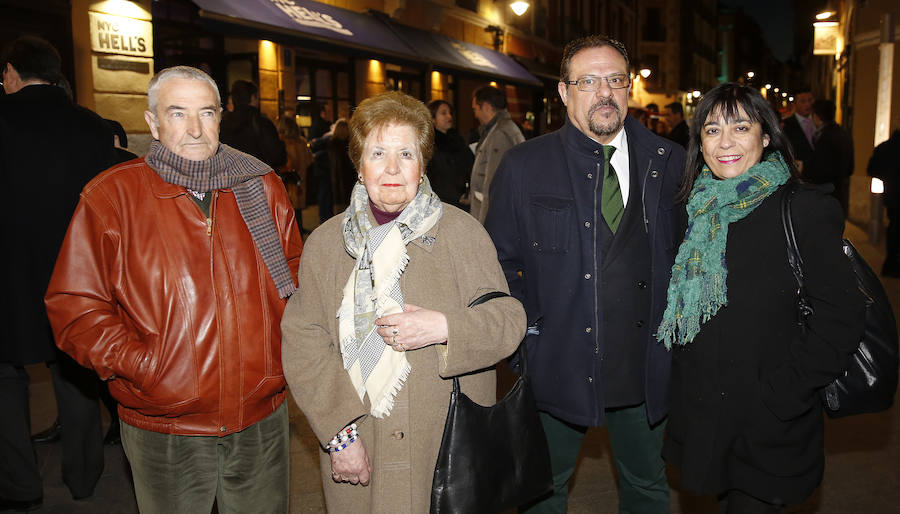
(590, 175)
(398, 435)
(534, 243)
(587, 224)
(587, 276)
(660, 150)
(223, 429)
(642, 284)
(590, 379)
(654, 173)
(587, 330)
(639, 323)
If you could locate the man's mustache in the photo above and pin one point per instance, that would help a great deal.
(604, 102)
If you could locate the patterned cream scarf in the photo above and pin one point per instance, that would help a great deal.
(373, 290)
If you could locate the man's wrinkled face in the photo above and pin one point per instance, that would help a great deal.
(598, 114)
(187, 117)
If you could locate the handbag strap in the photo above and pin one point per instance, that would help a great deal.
(478, 301)
(793, 251)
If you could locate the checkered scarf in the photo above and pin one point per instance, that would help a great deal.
(229, 168)
(373, 290)
(697, 288)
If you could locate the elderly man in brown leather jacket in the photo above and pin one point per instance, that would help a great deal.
(170, 284)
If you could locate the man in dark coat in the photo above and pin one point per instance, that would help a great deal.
(885, 164)
(49, 149)
(247, 130)
(832, 158)
(679, 128)
(800, 127)
(586, 228)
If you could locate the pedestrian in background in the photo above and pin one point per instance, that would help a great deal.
(746, 421)
(498, 134)
(333, 169)
(800, 128)
(450, 167)
(247, 130)
(885, 164)
(49, 149)
(585, 228)
(299, 159)
(832, 158)
(678, 127)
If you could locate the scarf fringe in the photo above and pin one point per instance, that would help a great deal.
(386, 403)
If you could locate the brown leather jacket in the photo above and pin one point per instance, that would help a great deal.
(177, 310)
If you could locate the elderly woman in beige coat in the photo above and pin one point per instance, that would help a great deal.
(380, 321)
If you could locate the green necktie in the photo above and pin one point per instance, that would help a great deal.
(611, 205)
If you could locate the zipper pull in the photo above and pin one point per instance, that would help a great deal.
(209, 226)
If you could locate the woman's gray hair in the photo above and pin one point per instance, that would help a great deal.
(180, 72)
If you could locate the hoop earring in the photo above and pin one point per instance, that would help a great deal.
(360, 179)
(422, 179)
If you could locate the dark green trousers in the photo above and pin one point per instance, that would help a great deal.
(248, 471)
(637, 451)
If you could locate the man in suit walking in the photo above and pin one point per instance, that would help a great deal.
(800, 127)
(585, 229)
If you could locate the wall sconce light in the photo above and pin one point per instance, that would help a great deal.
(519, 7)
(645, 72)
(696, 93)
(498, 35)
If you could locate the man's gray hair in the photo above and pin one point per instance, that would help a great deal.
(180, 72)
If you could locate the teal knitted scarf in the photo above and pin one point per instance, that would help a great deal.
(697, 288)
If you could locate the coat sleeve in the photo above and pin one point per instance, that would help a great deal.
(310, 354)
(81, 304)
(483, 335)
(834, 329)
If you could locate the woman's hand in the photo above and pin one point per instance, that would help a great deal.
(351, 464)
(413, 329)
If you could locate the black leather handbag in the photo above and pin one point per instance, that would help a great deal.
(491, 458)
(870, 382)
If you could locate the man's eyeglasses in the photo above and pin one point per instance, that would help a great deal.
(590, 84)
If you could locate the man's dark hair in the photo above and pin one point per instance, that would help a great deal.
(595, 41)
(242, 91)
(804, 88)
(825, 110)
(491, 95)
(119, 131)
(676, 108)
(33, 58)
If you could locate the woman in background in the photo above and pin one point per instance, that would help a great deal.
(451, 166)
(293, 173)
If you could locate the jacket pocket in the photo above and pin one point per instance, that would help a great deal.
(551, 218)
(170, 384)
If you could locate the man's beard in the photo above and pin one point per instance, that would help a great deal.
(608, 127)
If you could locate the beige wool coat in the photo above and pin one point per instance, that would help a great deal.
(454, 263)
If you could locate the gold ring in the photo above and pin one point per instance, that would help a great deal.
(401, 347)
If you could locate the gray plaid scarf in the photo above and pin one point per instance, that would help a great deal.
(229, 168)
(373, 290)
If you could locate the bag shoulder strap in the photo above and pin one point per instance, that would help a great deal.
(793, 251)
(478, 301)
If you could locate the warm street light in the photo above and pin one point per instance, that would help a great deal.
(750, 74)
(768, 86)
(824, 15)
(790, 99)
(696, 93)
(519, 7)
(783, 95)
(645, 72)
(776, 89)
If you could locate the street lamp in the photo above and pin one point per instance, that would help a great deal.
(750, 74)
(696, 93)
(519, 7)
(645, 72)
(768, 86)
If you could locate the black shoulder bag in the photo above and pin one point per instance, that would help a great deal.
(491, 458)
(870, 382)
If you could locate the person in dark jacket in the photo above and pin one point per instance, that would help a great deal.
(799, 127)
(333, 169)
(678, 131)
(247, 130)
(49, 149)
(745, 421)
(451, 165)
(885, 164)
(120, 141)
(585, 227)
(832, 158)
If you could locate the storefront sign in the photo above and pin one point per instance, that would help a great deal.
(120, 35)
(310, 18)
(825, 39)
(111, 63)
(472, 56)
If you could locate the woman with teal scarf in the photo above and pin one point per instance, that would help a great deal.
(745, 421)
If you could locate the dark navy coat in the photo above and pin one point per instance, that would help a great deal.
(552, 246)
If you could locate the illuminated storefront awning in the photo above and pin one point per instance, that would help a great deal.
(313, 20)
(333, 25)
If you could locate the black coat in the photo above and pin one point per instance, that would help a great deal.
(543, 229)
(832, 159)
(250, 132)
(49, 149)
(745, 413)
(450, 167)
(885, 164)
(800, 146)
(680, 134)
